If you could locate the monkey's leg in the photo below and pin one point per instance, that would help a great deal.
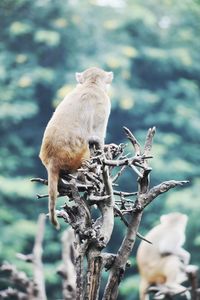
(174, 274)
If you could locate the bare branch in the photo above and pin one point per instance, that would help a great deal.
(118, 268)
(120, 214)
(38, 272)
(124, 194)
(118, 174)
(11, 293)
(98, 198)
(15, 276)
(149, 141)
(67, 270)
(145, 199)
(107, 210)
(133, 140)
(27, 258)
(126, 161)
(40, 180)
(136, 171)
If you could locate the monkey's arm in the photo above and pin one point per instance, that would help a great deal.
(184, 256)
(100, 121)
(96, 135)
(94, 114)
(172, 245)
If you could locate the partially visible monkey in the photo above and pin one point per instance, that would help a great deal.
(164, 261)
(80, 119)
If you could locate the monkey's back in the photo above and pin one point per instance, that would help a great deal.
(149, 260)
(65, 140)
(154, 266)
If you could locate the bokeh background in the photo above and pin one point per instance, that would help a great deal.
(153, 48)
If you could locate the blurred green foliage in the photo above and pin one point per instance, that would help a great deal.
(153, 49)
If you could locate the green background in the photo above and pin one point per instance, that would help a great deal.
(153, 48)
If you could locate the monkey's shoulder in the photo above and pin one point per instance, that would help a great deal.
(91, 95)
(94, 93)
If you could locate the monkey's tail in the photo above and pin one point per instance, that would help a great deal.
(53, 176)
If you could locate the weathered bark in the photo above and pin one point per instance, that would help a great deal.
(16, 277)
(67, 270)
(94, 269)
(80, 272)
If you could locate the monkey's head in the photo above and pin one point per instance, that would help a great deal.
(174, 219)
(94, 75)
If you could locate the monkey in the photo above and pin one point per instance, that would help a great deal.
(80, 119)
(163, 262)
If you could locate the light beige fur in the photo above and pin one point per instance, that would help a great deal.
(82, 116)
(163, 262)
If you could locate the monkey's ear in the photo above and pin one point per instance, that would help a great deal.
(79, 78)
(109, 77)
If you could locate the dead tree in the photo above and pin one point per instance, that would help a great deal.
(27, 288)
(95, 185)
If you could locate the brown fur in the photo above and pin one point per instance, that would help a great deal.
(82, 116)
(160, 263)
